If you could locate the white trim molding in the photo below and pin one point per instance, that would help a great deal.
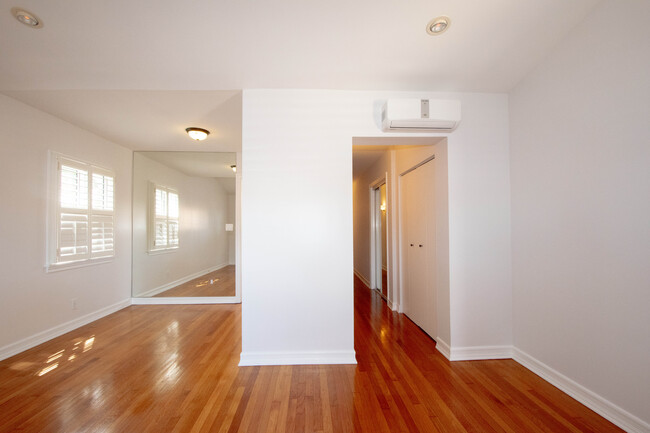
(362, 278)
(41, 337)
(178, 282)
(477, 353)
(443, 348)
(593, 401)
(297, 358)
(472, 353)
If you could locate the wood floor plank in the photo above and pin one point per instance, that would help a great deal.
(216, 283)
(174, 369)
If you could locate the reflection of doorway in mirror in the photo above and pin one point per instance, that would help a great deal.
(200, 262)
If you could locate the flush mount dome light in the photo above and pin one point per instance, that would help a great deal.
(27, 18)
(438, 25)
(197, 133)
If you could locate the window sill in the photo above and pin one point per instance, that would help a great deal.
(56, 267)
(162, 251)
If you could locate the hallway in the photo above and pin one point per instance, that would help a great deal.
(174, 368)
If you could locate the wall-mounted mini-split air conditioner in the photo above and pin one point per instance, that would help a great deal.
(420, 115)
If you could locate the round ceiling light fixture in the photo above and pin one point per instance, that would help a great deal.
(27, 18)
(438, 26)
(197, 133)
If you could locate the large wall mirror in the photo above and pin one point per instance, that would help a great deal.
(184, 245)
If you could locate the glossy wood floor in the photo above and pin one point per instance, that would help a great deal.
(174, 369)
(218, 283)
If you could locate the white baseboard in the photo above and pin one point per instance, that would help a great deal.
(185, 279)
(476, 353)
(593, 401)
(297, 358)
(443, 348)
(36, 339)
(362, 278)
(473, 353)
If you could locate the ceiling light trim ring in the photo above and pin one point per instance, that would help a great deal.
(27, 18)
(438, 25)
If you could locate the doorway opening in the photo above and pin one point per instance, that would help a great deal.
(400, 192)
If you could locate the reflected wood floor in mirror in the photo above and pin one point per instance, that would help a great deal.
(173, 368)
(218, 283)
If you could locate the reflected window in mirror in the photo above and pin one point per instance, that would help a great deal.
(163, 222)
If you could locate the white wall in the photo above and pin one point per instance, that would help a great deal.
(297, 221)
(35, 305)
(580, 162)
(203, 241)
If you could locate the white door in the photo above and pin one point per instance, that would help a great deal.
(419, 247)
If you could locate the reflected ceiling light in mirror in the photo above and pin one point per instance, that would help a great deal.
(197, 134)
(438, 25)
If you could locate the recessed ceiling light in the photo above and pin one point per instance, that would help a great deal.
(27, 18)
(197, 133)
(438, 25)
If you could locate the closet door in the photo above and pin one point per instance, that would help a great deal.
(418, 234)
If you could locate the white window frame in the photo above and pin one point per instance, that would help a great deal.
(53, 260)
(153, 218)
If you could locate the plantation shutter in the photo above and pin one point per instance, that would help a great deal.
(101, 219)
(73, 213)
(172, 219)
(85, 212)
(164, 229)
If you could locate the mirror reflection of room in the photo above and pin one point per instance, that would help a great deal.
(183, 224)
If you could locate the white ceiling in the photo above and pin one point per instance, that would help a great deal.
(200, 164)
(147, 119)
(341, 44)
(197, 164)
(367, 150)
(138, 73)
(362, 160)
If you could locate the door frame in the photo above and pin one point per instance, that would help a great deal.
(375, 222)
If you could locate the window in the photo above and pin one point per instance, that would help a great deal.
(82, 213)
(163, 228)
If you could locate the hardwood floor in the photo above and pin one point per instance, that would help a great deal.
(218, 283)
(170, 368)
